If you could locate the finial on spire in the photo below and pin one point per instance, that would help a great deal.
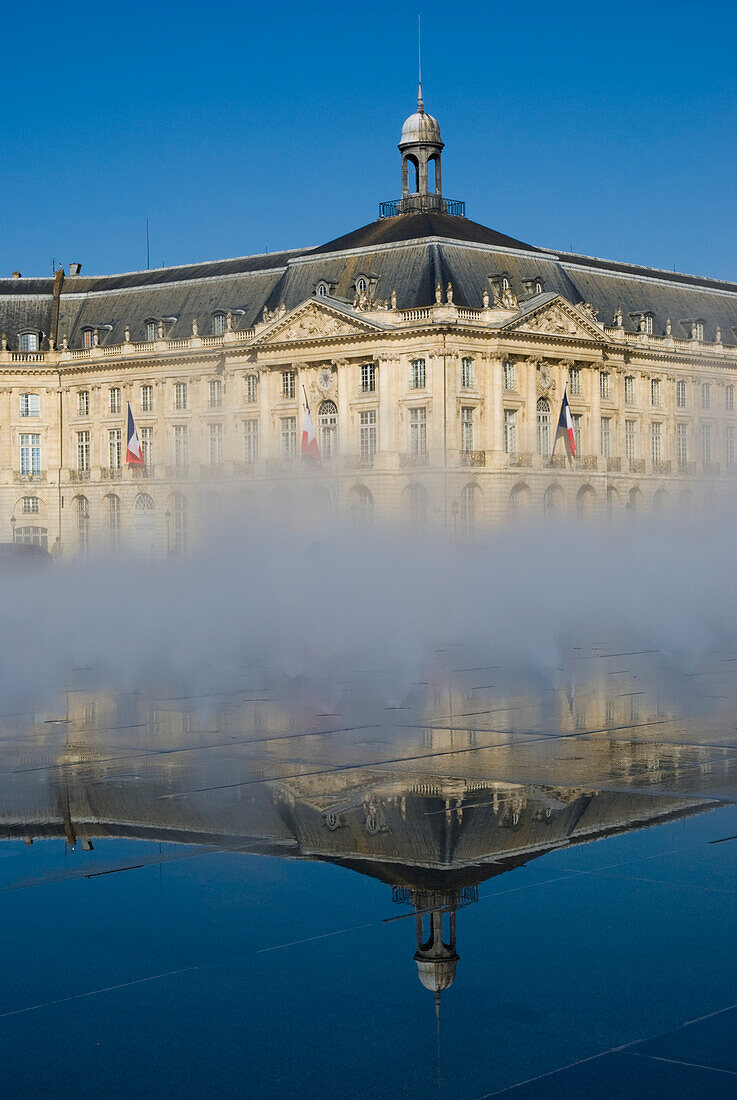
(420, 107)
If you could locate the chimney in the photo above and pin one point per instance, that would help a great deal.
(74, 269)
(16, 274)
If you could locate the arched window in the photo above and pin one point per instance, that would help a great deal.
(322, 290)
(83, 524)
(552, 501)
(113, 521)
(144, 524)
(417, 501)
(469, 495)
(29, 341)
(519, 500)
(361, 285)
(327, 426)
(543, 427)
(585, 501)
(413, 174)
(660, 502)
(635, 497)
(361, 505)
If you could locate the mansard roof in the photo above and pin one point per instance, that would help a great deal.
(413, 227)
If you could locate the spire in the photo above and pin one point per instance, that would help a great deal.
(420, 107)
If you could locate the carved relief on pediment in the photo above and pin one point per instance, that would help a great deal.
(313, 323)
(555, 320)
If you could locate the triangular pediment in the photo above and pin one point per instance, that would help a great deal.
(315, 320)
(554, 316)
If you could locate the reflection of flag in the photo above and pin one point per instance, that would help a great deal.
(565, 425)
(309, 449)
(133, 452)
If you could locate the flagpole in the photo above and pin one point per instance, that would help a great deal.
(304, 391)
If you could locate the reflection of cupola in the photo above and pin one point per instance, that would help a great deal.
(420, 146)
(436, 958)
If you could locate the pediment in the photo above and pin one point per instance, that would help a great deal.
(557, 317)
(314, 320)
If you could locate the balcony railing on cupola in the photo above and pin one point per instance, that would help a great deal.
(421, 203)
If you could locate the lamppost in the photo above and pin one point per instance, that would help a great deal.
(167, 517)
(12, 526)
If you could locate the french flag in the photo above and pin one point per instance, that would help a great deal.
(309, 449)
(133, 452)
(565, 425)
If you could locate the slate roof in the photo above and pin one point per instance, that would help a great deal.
(409, 254)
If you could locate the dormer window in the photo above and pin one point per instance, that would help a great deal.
(321, 290)
(361, 285)
(218, 324)
(698, 330)
(504, 283)
(649, 324)
(29, 341)
(151, 328)
(538, 286)
(88, 337)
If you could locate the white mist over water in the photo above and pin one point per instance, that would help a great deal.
(329, 606)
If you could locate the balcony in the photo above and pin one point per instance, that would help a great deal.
(637, 465)
(79, 475)
(587, 462)
(421, 203)
(473, 458)
(520, 460)
(614, 465)
(359, 462)
(178, 471)
(24, 477)
(406, 459)
(111, 473)
(662, 467)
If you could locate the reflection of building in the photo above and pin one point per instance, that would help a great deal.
(434, 352)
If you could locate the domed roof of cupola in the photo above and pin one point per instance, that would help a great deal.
(420, 127)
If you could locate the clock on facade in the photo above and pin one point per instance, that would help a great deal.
(325, 378)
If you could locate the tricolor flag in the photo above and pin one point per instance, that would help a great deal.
(309, 449)
(565, 425)
(133, 452)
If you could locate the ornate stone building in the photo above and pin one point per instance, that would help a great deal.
(434, 352)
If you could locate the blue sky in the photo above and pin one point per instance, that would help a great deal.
(238, 128)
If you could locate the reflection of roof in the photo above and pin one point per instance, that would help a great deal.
(437, 974)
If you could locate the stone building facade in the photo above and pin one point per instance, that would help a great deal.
(433, 351)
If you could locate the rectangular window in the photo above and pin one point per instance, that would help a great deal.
(367, 430)
(574, 381)
(418, 430)
(115, 448)
(604, 384)
(649, 324)
(250, 389)
(698, 330)
(150, 331)
(629, 440)
(30, 506)
(29, 404)
(606, 436)
(250, 440)
(146, 435)
(180, 395)
(655, 391)
(30, 454)
(87, 337)
(467, 374)
(656, 442)
(729, 445)
(218, 324)
(114, 400)
(682, 444)
(629, 390)
(368, 377)
(83, 403)
(287, 383)
(215, 393)
(289, 435)
(181, 448)
(510, 376)
(29, 341)
(83, 452)
(216, 446)
(510, 431)
(576, 418)
(706, 445)
(417, 374)
(466, 430)
(729, 398)
(681, 395)
(147, 399)
(706, 395)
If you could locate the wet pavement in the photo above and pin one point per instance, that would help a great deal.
(485, 880)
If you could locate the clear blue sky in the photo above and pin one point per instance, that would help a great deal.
(241, 127)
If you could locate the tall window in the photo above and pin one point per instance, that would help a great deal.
(706, 395)
(87, 337)
(113, 521)
(655, 394)
(250, 389)
(30, 506)
(510, 375)
(574, 381)
(466, 430)
(327, 426)
(729, 398)
(181, 448)
(289, 437)
(729, 445)
(706, 445)
(218, 324)
(682, 444)
(115, 400)
(510, 431)
(288, 383)
(250, 442)
(180, 395)
(576, 417)
(418, 431)
(367, 434)
(29, 404)
(83, 525)
(29, 341)
(606, 436)
(698, 330)
(216, 446)
(681, 394)
(417, 374)
(150, 331)
(368, 377)
(656, 442)
(543, 427)
(83, 403)
(467, 373)
(629, 440)
(30, 455)
(146, 435)
(83, 452)
(147, 398)
(215, 393)
(649, 324)
(629, 390)
(468, 508)
(115, 448)
(604, 384)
